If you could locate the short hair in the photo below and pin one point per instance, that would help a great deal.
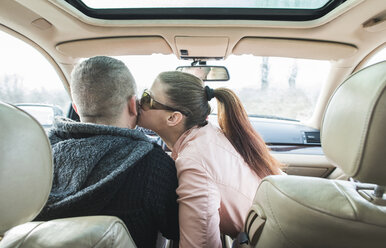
(100, 87)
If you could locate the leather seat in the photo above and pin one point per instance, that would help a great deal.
(294, 211)
(25, 183)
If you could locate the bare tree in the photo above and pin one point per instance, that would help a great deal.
(264, 73)
(11, 88)
(293, 75)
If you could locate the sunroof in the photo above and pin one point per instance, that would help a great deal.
(279, 4)
(284, 10)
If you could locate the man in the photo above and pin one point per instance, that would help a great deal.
(102, 166)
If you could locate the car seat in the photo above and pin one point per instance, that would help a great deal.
(295, 211)
(25, 182)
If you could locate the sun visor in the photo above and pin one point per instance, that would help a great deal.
(115, 47)
(294, 48)
(201, 47)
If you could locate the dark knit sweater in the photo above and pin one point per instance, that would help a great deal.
(103, 170)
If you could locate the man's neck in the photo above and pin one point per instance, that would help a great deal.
(121, 122)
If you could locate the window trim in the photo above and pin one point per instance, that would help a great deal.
(271, 14)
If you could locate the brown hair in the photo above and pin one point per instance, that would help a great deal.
(234, 122)
(187, 93)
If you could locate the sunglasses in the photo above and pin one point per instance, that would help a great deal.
(147, 102)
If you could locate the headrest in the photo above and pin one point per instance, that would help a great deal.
(85, 232)
(354, 125)
(25, 167)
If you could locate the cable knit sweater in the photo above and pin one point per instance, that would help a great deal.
(105, 170)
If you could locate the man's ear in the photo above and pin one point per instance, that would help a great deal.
(174, 118)
(133, 110)
(74, 107)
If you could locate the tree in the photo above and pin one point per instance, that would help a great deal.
(12, 91)
(293, 75)
(264, 73)
(11, 88)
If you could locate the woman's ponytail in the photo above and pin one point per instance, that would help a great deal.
(234, 122)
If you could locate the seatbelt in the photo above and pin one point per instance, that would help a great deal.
(252, 229)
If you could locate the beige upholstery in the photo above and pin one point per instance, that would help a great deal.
(295, 211)
(94, 231)
(25, 167)
(315, 212)
(25, 183)
(354, 125)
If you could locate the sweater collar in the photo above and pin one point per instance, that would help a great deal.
(66, 128)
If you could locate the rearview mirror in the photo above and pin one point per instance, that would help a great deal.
(207, 73)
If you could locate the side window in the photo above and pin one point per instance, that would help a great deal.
(29, 81)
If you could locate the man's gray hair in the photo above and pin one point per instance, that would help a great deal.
(100, 87)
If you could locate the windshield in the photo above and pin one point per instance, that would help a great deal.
(267, 86)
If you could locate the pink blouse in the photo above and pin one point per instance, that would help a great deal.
(216, 187)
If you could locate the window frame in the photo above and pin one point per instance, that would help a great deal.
(269, 14)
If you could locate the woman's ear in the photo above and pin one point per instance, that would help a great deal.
(133, 106)
(174, 119)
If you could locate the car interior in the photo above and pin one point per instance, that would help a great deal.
(332, 152)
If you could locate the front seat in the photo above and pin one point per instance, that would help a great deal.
(25, 184)
(294, 211)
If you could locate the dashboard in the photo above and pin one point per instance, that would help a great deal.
(294, 144)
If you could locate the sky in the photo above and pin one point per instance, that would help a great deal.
(17, 57)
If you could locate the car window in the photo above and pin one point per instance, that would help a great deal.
(28, 80)
(299, 4)
(271, 87)
(295, 10)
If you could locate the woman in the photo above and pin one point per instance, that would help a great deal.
(218, 169)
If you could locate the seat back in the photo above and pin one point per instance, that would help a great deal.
(294, 211)
(25, 167)
(25, 182)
